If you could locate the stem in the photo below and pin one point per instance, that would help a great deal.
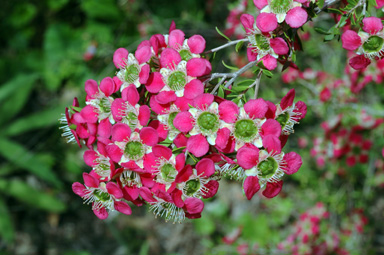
(257, 84)
(226, 45)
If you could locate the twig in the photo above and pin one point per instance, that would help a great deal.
(257, 84)
(226, 45)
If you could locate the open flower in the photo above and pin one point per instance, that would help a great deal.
(187, 48)
(368, 44)
(103, 196)
(262, 47)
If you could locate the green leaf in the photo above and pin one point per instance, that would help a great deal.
(178, 150)
(240, 88)
(31, 196)
(222, 34)
(322, 31)
(267, 73)
(19, 156)
(239, 45)
(106, 9)
(329, 37)
(372, 3)
(337, 11)
(230, 67)
(7, 231)
(34, 121)
(221, 92)
(16, 85)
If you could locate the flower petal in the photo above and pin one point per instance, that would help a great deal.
(247, 21)
(123, 207)
(176, 38)
(205, 167)
(114, 190)
(198, 145)
(293, 161)
(91, 88)
(90, 181)
(287, 100)
(119, 57)
(196, 44)
(162, 151)
(273, 189)
(372, 25)
(228, 111)
(296, 17)
(169, 58)
(90, 157)
(266, 22)
(193, 89)
(251, 186)
(194, 67)
(155, 82)
(272, 144)
(120, 132)
(143, 54)
(247, 157)
(279, 46)
(107, 86)
(130, 94)
(194, 205)
(183, 121)
(203, 101)
(256, 108)
(144, 115)
(350, 40)
(101, 213)
(149, 136)
(78, 189)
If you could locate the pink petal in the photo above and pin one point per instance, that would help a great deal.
(184, 174)
(104, 129)
(198, 145)
(107, 86)
(351, 40)
(256, 108)
(155, 82)
(359, 62)
(118, 107)
(251, 186)
(101, 213)
(271, 127)
(91, 88)
(90, 157)
(273, 189)
(177, 198)
(117, 82)
(90, 181)
(269, 62)
(372, 25)
(293, 161)
(251, 54)
(144, 115)
(180, 140)
(287, 100)
(183, 121)
(301, 108)
(296, 17)
(196, 44)
(194, 67)
(183, 103)
(149, 136)
(114, 190)
(205, 167)
(156, 107)
(260, 4)
(121, 132)
(172, 26)
(78, 189)
(143, 54)
(133, 192)
(165, 97)
(194, 205)
(169, 58)
(272, 144)
(180, 161)
(146, 194)
(119, 57)
(150, 162)
(176, 38)
(130, 94)
(89, 114)
(161, 151)
(247, 157)
(208, 67)
(228, 111)
(266, 22)
(271, 110)
(161, 129)
(144, 74)
(247, 21)
(193, 89)
(212, 186)
(222, 138)
(123, 207)
(279, 46)
(114, 152)
(203, 101)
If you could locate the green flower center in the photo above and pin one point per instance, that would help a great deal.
(185, 55)
(132, 73)
(208, 122)
(168, 172)
(267, 167)
(280, 6)
(283, 119)
(245, 130)
(101, 195)
(104, 105)
(191, 187)
(373, 44)
(134, 150)
(262, 42)
(171, 117)
(177, 80)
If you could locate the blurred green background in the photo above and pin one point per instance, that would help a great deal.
(49, 48)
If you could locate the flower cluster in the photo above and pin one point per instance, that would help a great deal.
(154, 136)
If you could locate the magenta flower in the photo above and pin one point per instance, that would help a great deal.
(289, 10)
(266, 167)
(103, 196)
(368, 44)
(101, 164)
(70, 125)
(131, 149)
(187, 48)
(133, 68)
(262, 47)
(127, 110)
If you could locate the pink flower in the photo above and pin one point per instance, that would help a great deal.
(70, 124)
(133, 68)
(103, 196)
(290, 11)
(187, 48)
(368, 44)
(261, 46)
(101, 164)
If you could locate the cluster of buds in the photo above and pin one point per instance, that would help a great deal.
(154, 136)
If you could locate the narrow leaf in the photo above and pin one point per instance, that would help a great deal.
(230, 67)
(222, 34)
(7, 231)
